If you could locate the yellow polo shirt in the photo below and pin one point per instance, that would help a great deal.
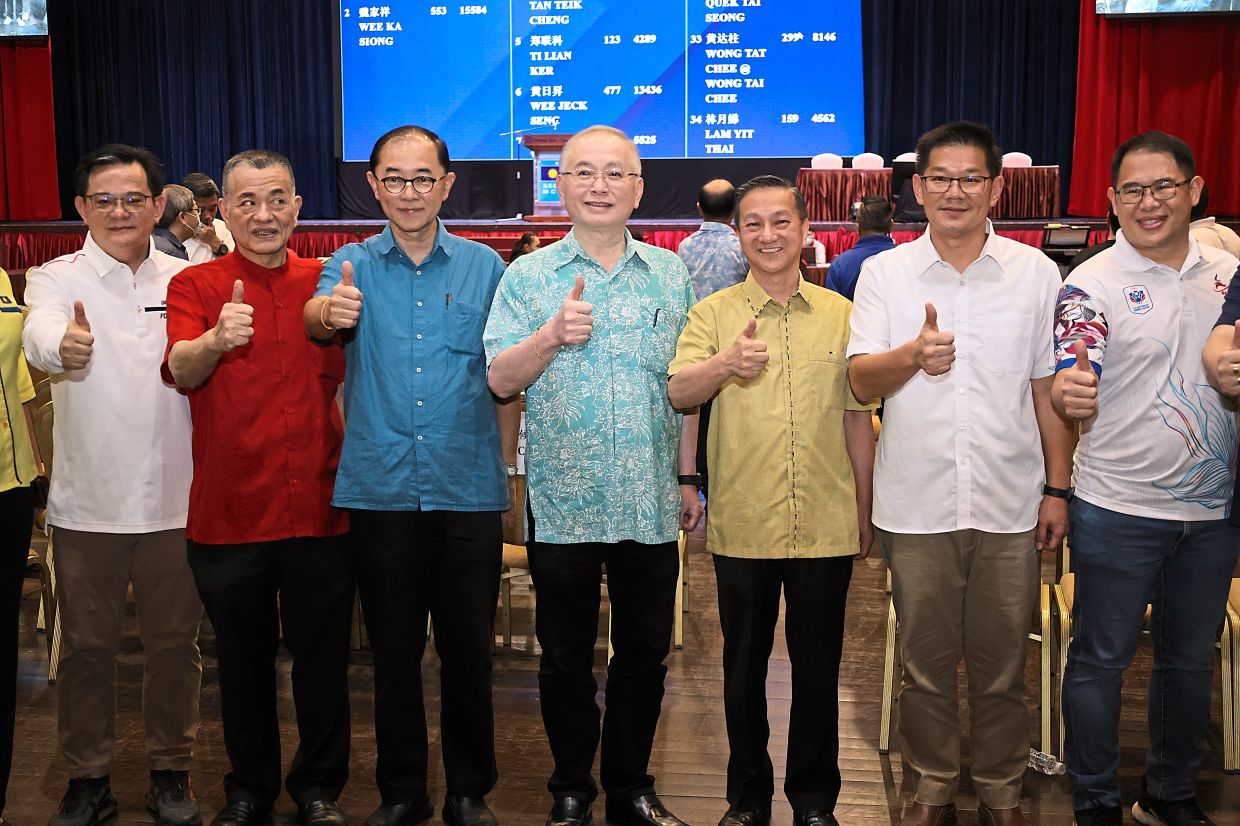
(781, 485)
(16, 458)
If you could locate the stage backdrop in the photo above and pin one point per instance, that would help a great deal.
(1177, 74)
(27, 139)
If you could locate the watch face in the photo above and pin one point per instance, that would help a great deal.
(512, 470)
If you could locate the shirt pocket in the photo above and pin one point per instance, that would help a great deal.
(1005, 343)
(657, 344)
(464, 328)
(827, 381)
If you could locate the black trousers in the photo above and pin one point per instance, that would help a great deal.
(250, 591)
(447, 564)
(16, 517)
(815, 591)
(641, 584)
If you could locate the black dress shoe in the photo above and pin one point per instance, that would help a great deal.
(459, 810)
(814, 818)
(569, 811)
(746, 817)
(646, 810)
(401, 814)
(242, 813)
(320, 813)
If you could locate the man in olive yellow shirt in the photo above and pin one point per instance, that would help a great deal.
(787, 441)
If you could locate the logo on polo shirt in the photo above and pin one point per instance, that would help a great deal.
(1138, 298)
(1220, 286)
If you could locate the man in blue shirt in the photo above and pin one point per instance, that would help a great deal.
(874, 225)
(422, 474)
(713, 254)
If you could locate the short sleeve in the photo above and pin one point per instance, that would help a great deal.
(508, 323)
(1079, 317)
(869, 324)
(25, 387)
(1231, 304)
(1044, 320)
(329, 276)
(187, 317)
(494, 275)
(699, 340)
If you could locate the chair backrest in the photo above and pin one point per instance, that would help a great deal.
(910, 157)
(826, 160)
(1017, 159)
(868, 160)
(43, 419)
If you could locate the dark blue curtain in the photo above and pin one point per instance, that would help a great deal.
(195, 82)
(1010, 65)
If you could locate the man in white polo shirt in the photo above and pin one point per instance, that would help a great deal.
(953, 330)
(120, 487)
(1153, 481)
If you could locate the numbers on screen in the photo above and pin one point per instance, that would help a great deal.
(611, 39)
(823, 117)
(791, 37)
(438, 10)
(792, 118)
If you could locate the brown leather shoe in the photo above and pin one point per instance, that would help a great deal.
(923, 814)
(987, 816)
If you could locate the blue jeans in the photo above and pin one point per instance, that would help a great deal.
(1122, 563)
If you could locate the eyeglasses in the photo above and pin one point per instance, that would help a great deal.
(395, 184)
(1163, 190)
(969, 184)
(107, 201)
(612, 177)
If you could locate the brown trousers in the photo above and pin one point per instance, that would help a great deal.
(964, 594)
(93, 574)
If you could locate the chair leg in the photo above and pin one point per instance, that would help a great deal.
(1062, 640)
(889, 679)
(505, 602)
(1044, 649)
(678, 615)
(1227, 648)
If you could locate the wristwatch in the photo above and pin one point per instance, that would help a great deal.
(221, 250)
(689, 479)
(1065, 494)
(512, 470)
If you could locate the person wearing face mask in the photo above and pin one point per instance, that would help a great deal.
(178, 223)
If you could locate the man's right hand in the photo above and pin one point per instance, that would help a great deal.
(934, 351)
(236, 323)
(747, 357)
(574, 323)
(206, 235)
(77, 343)
(1227, 369)
(1080, 385)
(344, 305)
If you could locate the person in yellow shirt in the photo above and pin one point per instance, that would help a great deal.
(791, 453)
(18, 469)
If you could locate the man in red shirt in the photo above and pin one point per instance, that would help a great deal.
(266, 442)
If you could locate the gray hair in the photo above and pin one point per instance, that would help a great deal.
(177, 199)
(257, 159)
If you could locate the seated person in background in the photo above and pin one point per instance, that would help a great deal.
(527, 243)
(1208, 232)
(874, 226)
(215, 239)
(178, 223)
(820, 249)
(713, 254)
(1089, 252)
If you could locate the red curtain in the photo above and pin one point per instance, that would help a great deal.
(28, 188)
(1176, 74)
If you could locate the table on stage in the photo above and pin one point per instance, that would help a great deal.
(1028, 192)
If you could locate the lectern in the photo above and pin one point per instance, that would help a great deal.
(546, 151)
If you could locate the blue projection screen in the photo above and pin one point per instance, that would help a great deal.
(684, 78)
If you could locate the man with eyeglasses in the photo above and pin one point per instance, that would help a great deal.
(953, 330)
(1153, 481)
(120, 489)
(265, 545)
(214, 241)
(587, 327)
(178, 223)
(422, 473)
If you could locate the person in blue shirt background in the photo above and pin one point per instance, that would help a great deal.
(874, 225)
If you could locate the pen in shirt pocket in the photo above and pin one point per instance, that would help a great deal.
(655, 323)
(447, 299)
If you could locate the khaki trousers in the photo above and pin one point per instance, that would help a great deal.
(93, 573)
(963, 594)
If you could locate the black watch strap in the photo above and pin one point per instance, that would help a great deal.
(1059, 493)
(689, 479)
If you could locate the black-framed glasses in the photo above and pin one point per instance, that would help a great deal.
(612, 177)
(423, 184)
(969, 184)
(1163, 190)
(108, 201)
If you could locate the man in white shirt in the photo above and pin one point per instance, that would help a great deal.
(1153, 482)
(120, 487)
(214, 238)
(953, 330)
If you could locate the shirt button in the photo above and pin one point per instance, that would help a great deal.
(419, 303)
(419, 437)
(961, 391)
(289, 411)
(419, 402)
(419, 272)
(964, 427)
(417, 369)
(419, 336)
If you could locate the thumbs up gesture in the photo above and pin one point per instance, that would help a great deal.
(1227, 369)
(574, 323)
(934, 350)
(344, 305)
(77, 343)
(747, 357)
(1080, 385)
(236, 322)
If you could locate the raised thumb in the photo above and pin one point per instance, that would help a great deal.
(346, 274)
(750, 328)
(79, 316)
(932, 317)
(578, 289)
(238, 295)
(1235, 339)
(1082, 355)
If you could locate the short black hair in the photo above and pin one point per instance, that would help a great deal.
(874, 216)
(441, 148)
(1155, 142)
(960, 133)
(521, 245)
(258, 159)
(113, 154)
(716, 202)
(1112, 220)
(1202, 208)
(201, 185)
(769, 182)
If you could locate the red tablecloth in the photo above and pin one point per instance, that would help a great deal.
(1028, 192)
(830, 193)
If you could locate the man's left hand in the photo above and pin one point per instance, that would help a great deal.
(1052, 523)
(866, 531)
(690, 507)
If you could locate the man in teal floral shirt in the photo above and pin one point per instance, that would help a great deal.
(587, 327)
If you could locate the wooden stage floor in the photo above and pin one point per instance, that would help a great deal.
(690, 754)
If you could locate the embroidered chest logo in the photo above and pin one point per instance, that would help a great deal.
(1220, 286)
(1139, 299)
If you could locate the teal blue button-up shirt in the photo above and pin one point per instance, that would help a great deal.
(601, 436)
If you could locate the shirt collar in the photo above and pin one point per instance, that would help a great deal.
(873, 240)
(758, 297)
(102, 263)
(569, 248)
(715, 226)
(444, 240)
(928, 256)
(170, 235)
(1129, 258)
